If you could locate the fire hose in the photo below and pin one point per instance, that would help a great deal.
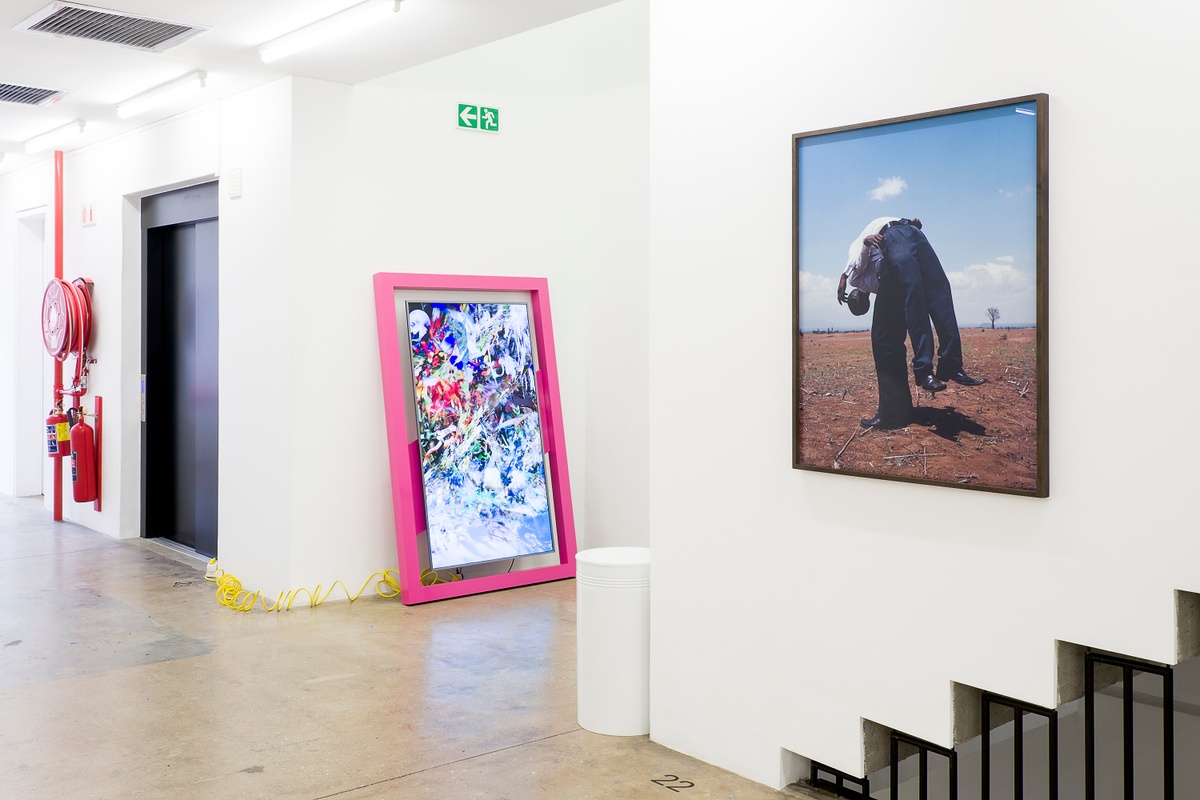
(67, 326)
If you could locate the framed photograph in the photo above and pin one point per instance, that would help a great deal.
(920, 293)
(479, 479)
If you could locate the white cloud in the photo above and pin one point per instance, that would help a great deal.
(819, 307)
(996, 284)
(819, 285)
(999, 275)
(888, 187)
(1009, 194)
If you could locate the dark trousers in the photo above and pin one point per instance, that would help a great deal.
(926, 295)
(888, 327)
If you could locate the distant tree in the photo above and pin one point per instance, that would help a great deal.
(993, 315)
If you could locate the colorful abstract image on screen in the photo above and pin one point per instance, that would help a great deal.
(479, 432)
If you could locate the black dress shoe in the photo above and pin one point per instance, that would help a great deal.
(883, 423)
(963, 378)
(930, 384)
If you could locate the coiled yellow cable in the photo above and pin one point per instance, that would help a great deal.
(231, 594)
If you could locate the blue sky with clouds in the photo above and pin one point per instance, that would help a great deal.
(970, 178)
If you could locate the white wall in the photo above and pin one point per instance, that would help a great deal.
(257, 257)
(787, 605)
(341, 182)
(560, 192)
(25, 196)
(613, 148)
(25, 398)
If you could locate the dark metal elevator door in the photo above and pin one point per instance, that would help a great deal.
(181, 384)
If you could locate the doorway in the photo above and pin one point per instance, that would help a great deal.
(180, 367)
(32, 366)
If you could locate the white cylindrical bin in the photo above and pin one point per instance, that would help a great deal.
(613, 640)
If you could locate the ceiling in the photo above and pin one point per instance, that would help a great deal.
(97, 76)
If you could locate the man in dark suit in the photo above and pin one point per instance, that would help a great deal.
(913, 289)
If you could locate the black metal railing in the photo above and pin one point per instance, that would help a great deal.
(837, 782)
(1128, 667)
(1104, 673)
(924, 749)
(1020, 710)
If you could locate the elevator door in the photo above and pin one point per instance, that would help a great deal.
(180, 465)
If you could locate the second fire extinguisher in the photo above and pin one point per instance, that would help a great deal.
(83, 458)
(58, 434)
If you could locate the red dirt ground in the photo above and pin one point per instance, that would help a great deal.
(980, 436)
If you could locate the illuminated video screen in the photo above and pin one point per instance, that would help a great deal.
(479, 432)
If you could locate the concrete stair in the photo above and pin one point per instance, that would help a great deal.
(1145, 731)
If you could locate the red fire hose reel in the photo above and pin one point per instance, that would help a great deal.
(67, 330)
(67, 325)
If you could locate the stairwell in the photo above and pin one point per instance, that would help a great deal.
(1108, 739)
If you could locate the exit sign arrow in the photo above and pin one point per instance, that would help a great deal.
(468, 116)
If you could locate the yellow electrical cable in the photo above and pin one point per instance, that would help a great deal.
(231, 594)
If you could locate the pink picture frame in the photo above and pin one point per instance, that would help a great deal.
(404, 454)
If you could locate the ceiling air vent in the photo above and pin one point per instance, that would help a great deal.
(113, 27)
(29, 95)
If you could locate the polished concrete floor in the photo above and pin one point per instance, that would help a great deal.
(121, 677)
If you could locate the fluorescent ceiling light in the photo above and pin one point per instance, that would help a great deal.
(55, 137)
(162, 95)
(331, 27)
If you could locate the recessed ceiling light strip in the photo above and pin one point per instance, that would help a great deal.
(163, 94)
(55, 137)
(353, 18)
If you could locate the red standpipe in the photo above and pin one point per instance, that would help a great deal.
(99, 445)
(58, 273)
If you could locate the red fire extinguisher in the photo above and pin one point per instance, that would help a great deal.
(83, 458)
(58, 435)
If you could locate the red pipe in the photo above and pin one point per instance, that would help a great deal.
(58, 273)
(99, 444)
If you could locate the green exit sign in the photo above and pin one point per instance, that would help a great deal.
(479, 118)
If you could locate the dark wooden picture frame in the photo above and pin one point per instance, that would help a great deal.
(937, 222)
